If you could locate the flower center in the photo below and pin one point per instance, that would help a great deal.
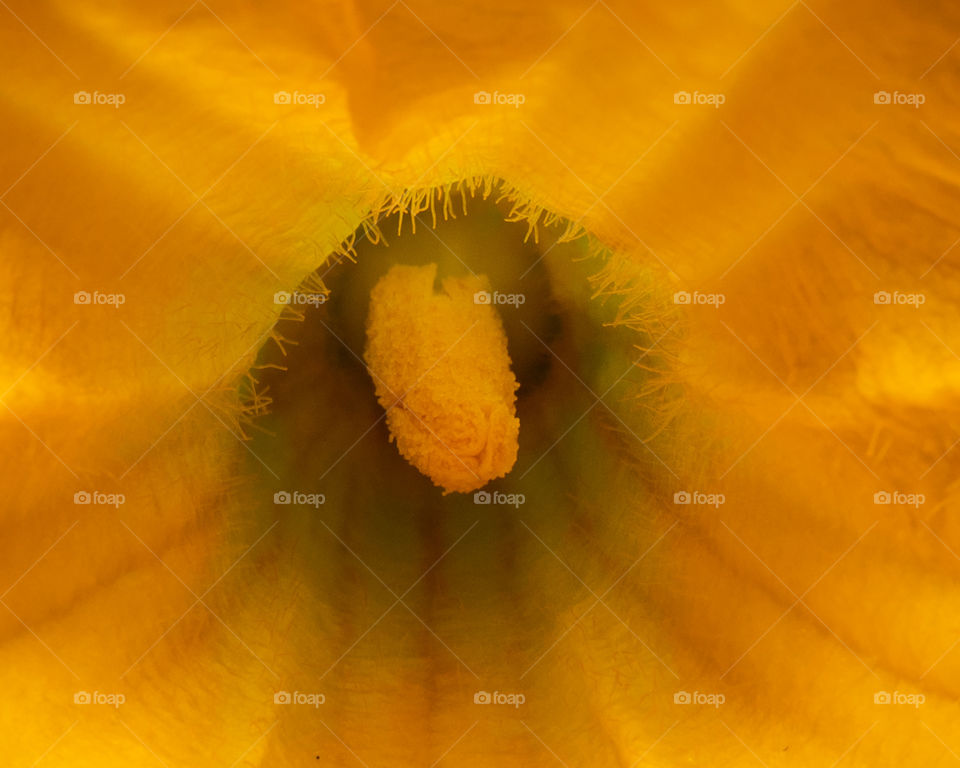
(441, 371)
(444, 340)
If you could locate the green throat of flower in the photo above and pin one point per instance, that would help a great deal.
(479, 349)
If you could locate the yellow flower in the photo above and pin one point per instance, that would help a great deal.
(737, 542)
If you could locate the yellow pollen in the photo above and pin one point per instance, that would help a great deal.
(441, 369)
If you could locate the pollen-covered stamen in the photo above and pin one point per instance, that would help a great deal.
(440, 366)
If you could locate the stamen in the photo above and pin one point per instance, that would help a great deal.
(441, 369)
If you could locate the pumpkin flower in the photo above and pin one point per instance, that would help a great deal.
(394, 382)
